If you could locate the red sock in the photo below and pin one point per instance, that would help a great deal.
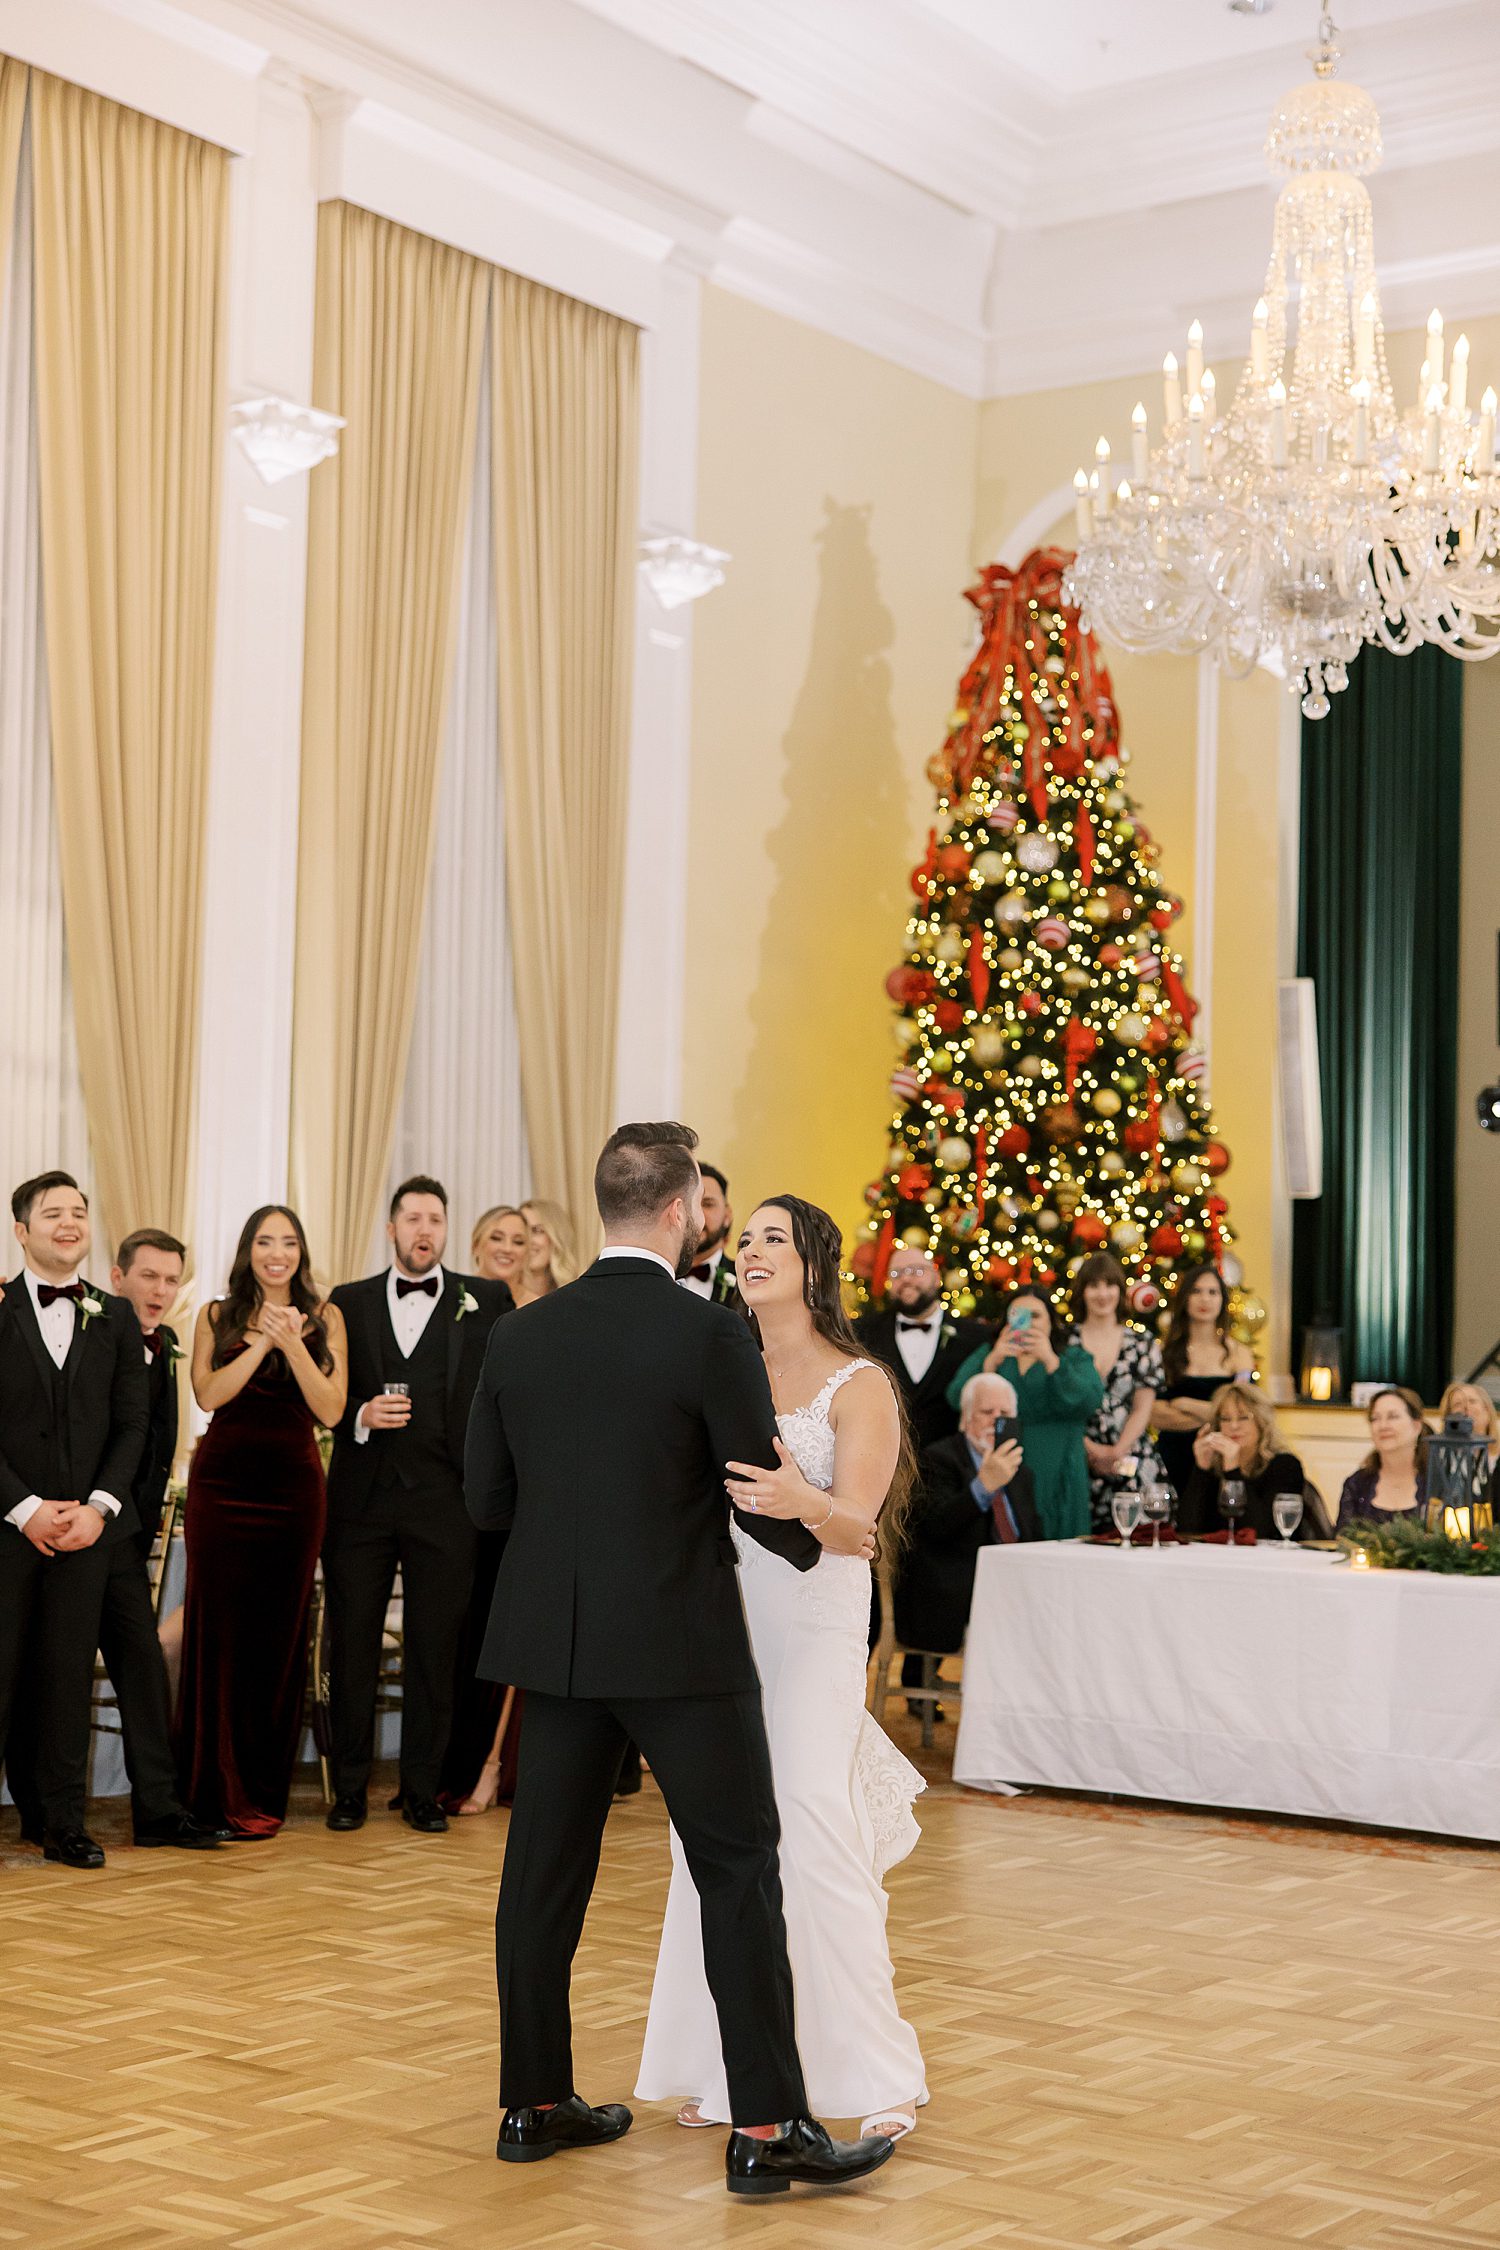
(758, 2132)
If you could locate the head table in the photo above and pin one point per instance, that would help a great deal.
(1264, 1680)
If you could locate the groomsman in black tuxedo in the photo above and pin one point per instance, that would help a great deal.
(920, 1341)
(73, 1416)
(417, 1336)
(712, 1274)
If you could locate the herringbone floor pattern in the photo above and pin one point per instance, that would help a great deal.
(1142, 2028)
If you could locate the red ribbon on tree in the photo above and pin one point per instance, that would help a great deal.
(1003, 598)
(1078, 1042)
(1215, 1210)
(1083, 843)
(1184, 1006)
(979, 967)
(885, 1243)
(926, 868)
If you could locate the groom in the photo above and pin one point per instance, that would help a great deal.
(617, 1610)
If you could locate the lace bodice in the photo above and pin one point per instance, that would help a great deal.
(808, 1431)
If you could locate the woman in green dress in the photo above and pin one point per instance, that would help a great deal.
(1058, 1389)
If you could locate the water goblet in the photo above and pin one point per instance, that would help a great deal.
(1156, 1507)
(1233, 1501)
(1286, 1512)
(1125, 1507)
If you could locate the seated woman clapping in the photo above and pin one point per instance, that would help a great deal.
(1240, 1439)
(1388, 1482)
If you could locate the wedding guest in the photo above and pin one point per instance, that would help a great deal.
(499, 1243)
(712, 1274)
(550, 1258)
(1468, 1399)
(1129, 1365)
(1240, 1439)
(269, 1366)
(1388, 1482)
(921, 1342)
(73, 1413)
(417, 1336)
(1198, 1357)
(1058, 1391)
(973, 1490)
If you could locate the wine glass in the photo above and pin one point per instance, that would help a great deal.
(1125, 1507)
(1156, 1507)
(1286, 1510)
(1233, 1502)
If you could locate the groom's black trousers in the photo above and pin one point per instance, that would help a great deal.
(709, 1756)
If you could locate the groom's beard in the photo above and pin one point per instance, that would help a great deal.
(687, 1255)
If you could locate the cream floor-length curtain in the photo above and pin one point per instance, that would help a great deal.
(565, 387)
(42, 1118)
(131, 220)
(398, 351)
(461, 1113)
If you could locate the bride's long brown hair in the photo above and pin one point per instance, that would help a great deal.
(820, 1246)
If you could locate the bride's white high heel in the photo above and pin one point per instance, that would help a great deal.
(892, 2124)
(692, 2116)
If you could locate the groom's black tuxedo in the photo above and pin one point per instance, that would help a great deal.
(65, 1432)
(600, 1434)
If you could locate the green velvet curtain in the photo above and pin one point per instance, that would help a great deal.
(1378, 934)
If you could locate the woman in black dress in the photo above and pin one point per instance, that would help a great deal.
(1198, 1356)
(1240, 1439)
(1388, 1482)
(269, 1364)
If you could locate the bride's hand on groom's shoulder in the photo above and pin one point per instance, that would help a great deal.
(783, 1491)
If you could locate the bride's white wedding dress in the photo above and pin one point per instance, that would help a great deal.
(844, 1793)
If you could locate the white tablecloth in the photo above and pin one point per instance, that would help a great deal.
(1268, 1681)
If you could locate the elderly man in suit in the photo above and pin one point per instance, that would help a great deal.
(973, 1491)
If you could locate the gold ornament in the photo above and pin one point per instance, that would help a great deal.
(1126, 1236)
(1010, 909)
(964, 1303)
(1187, 1179)
(951, 945)
(915, 1238)
(1107, 1102)
(1058, 888)
(991, 867)
(1247, 1315)
(941, 1063)
(905, 1032)
(1095, 910)
(1030, 1066)
(988, 1043)
(1111, 1164)
(1076, 979)
(953, 1153)
(1048, 1221)
(1008, 958)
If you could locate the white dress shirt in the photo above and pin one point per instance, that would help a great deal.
(918, 1349)
(56, 1322)
(629, 1250)
(410, 1314)
(702, 1288)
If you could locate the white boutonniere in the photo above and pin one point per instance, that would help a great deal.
(466, 1304)
(171, 1349)
(90, 1308)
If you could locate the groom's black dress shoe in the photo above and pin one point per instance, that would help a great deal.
(73, 1847)
(345, 1813)
(801, 2151)
(179, 1830)
(426, 1814)
(527, 2135)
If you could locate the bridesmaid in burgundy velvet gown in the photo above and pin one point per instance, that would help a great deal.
(269, 1364)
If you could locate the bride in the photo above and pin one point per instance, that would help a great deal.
(843, 1790)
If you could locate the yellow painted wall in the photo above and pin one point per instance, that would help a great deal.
(1476, 1293)
(823, 675)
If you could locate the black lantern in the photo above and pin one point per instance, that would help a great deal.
(1456, 1486)
(1322, 1378)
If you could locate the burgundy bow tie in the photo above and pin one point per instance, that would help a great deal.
(47, 1295)
(155, 1342)
(427, 1288)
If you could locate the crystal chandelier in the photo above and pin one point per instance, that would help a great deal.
(1314, 514)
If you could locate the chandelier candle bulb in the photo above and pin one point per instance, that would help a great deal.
(1195, 357)
(1083, 510)
(1484, 452)
(1260, 342)
(1458, 377)
(1431, 453)
(1195, 436)
(1171, 389)
(1278, 424)
(1138, 442)
(1208, 391)
(1101, 474)
(1435, 344)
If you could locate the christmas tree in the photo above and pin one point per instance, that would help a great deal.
(1049, 1098)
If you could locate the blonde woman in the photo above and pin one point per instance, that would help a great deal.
(500, 1244)
(1240, 1439)
(1468, 1398)
(550, 1257)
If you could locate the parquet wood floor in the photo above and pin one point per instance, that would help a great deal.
(1143, 2028)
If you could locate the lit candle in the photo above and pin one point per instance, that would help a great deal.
(1138, 442)
(1171, 389)
(1456, 1523)
(1260, 342)
(1122, 490)
(1359, 1560)
(1431, 451)
(1209, 392)
(1484, 451)
(1195, 356)
(1083, 513)
(1195, 436)
(1364, 341)
(1101, 456)
(1277, 396)
(1361, 450)
(1458, 377)
(1435, 344)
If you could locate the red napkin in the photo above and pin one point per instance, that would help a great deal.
(1245, 1538)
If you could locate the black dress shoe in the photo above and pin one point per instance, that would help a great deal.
(527, 2135)
(801, 2151)
(179, 1830)
(72, 1847)
(426, 1814)
(346, 1812)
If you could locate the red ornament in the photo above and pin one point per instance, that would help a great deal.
(1014, 1141)
(1053, 933)
(1030, 1003)
(1079, 1040)
(950, 1100)
(1110, 956)
(1157, 1038)
(909, 986)
(1161, 917)
(979, 968)
(885, 1243)
(1119, 902)
(1215, 1158)
(1139, 1133)
(1045, 1275)
(862, 1260)
(953, 861)
(1000, 1272)
(1083, 843)
(1003, 817)
(948, 1015)
(1060, 1121)
(1143, 1296)
(913, 1180)
(921, 874)
(904, 1085)
(1166, 1242)
(1089, 1230)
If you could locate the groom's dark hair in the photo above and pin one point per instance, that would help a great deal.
(643, 1168)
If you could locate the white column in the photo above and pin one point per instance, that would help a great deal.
(1205, 851)
(653, 938)
(250, 856)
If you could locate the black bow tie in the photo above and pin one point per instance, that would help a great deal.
(702, 1273)
(915, 1327)
(427, 1288)
(47, 1295)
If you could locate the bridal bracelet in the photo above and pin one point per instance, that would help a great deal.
(822, 1520)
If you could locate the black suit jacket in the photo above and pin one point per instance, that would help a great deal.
(927, 1407)
(598, 1443)
(105, 1395)
(160, 1449)
(352, 1467)
(945, 1531)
